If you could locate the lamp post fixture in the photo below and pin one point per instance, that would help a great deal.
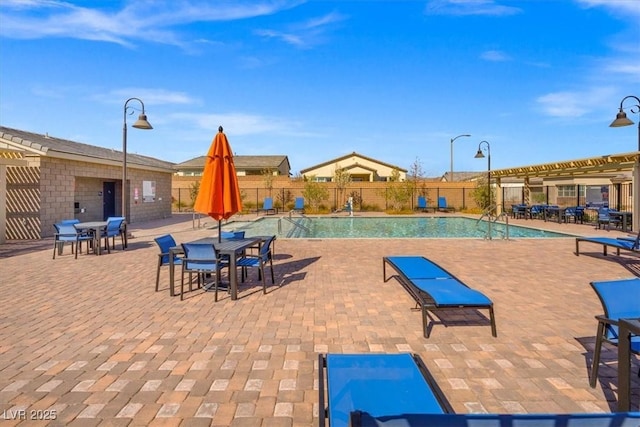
(480, 155)
(453, 139)
(622, 120)
(141, 123)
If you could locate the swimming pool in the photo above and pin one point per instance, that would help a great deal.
(382, 227)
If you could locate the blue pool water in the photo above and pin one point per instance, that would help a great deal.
(383, 227)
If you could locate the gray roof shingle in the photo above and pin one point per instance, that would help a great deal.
(46, 144)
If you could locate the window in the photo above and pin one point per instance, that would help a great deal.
(567, 191)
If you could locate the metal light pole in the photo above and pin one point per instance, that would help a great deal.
(453, 139)
(622, 120)
(480, 155)
(141, 123)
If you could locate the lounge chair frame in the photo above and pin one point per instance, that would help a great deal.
(620, 243)
(427, 303)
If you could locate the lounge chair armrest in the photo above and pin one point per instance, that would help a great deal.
(603, 319)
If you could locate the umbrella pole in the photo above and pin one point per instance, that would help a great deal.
(219, 230)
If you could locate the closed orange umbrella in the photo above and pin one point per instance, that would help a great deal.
(219, 195)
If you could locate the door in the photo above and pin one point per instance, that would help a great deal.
(108, 200)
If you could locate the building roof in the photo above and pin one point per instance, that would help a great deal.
(241, 162)
(45, 145)
(346, 156)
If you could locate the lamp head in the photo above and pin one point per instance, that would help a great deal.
(142, 122)
(621, 120)
(479, 154)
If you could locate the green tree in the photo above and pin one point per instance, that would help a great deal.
(314, 192)
(267, 179)
(341, 178)
(397, 193)
(415, 180)
(481, 194)
(194, 189)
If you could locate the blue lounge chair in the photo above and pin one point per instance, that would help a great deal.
(422, 203)
(397, 390)
(617, 419)
(434, 289)
(267, 206)
(442, 205)
(379, 384)
(298, 205)
(620, 299)
(623, 243)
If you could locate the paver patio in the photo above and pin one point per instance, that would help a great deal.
(92, 343)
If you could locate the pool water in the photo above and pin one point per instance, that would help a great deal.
(384, 227)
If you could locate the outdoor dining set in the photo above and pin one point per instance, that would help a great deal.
(208, 256)
(75, 232)
(602, 217)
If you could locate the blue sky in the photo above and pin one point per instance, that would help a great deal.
(394, 80)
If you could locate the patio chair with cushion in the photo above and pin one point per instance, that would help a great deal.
(259, 261)
(68, 233)
(620, 299)
(165, 243)
(203, 260)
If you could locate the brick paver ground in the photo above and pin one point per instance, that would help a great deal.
(89, 341)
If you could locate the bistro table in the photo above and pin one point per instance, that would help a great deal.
(626, 328)
(554, 212)
(95, 228)
(229, 247)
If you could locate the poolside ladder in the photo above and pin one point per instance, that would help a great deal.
(295, 223)
(491, 220)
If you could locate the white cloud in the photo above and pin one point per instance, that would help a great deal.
(138, 20)
(469, 7)
(573, 104)
(617, 7)
(304, 34)
(495, 56)
(148, 96)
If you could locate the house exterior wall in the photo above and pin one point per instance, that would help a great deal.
(367, 166)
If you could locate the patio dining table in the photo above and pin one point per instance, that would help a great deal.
(229, 247)
(554, 212)
(625, 219)
(95, 228)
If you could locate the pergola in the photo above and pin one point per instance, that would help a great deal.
(608, 163)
